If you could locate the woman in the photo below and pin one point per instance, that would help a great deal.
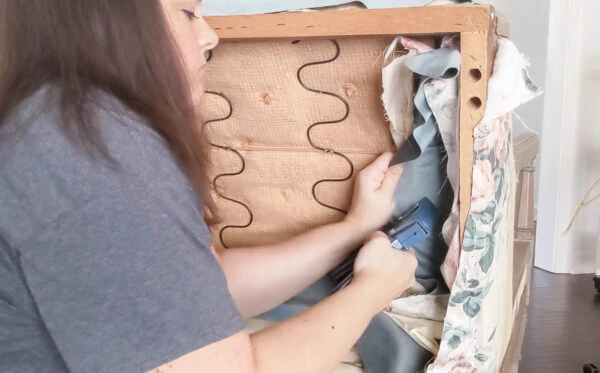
(105, 259)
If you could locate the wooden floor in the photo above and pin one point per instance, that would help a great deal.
(563, 328)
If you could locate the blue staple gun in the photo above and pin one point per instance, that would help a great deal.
(414, 226)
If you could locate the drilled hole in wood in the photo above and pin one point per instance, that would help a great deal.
(475, 103)
(475, 74)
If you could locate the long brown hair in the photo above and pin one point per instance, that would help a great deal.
(122, 47)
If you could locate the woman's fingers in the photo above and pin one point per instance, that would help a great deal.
(392, 176)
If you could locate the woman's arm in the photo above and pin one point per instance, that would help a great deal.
(263, 277)
(317, 339)
(313, 341)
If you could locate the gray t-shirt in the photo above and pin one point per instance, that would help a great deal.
(102, 268)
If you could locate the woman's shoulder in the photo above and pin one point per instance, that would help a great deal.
(36, 133)
(42, 166)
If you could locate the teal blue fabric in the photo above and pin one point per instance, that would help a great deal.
(426, 175)
(385, 347)
(382, 338)
(301, 302)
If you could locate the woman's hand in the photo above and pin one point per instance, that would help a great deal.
(373, 198)
(387, 271)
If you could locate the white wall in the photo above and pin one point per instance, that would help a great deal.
(561, 38)
(529, 23)
(587, 163)
(529, 31)
(571, 139)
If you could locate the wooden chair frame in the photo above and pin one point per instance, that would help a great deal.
(479, 27)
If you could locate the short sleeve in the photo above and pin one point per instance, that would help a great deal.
(125, 282)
